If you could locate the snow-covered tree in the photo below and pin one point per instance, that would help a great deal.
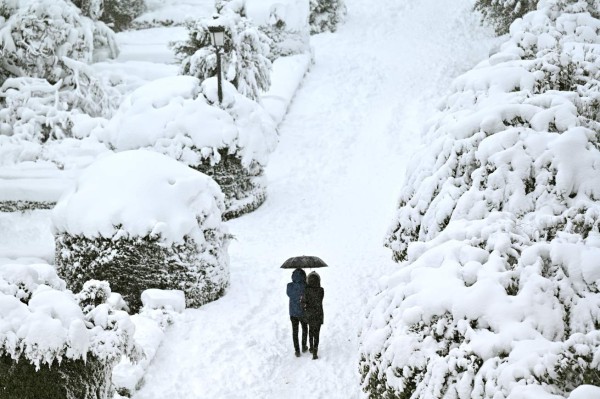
(244, 59)
(140, 220)
(499, 229)
(54, 345)
(285, 40)
(33, 109)
(46, 86)
(38, 35)
(326, 15)
(501, 13)
(182, 118)
(36, 38)
(118, 14)
(90, 8)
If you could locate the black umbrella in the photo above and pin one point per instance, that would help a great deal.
(303, 262)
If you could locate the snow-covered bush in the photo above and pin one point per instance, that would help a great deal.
(284, 22)
(326, 15)
(49, 346)
(140, 220)
(90, 8)
(45, 85)
(501, 13)
(181, 118)
(7, 8)
(35, 110)
(36, 38)
(499, 229)
(284, 41)
(244, 59)
(118, 14)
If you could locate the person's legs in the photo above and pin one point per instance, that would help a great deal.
(304, 334)
(315, 329)
(311, 336)
(295, 322)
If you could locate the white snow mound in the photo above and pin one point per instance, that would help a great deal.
(181, 117)
(139, 193)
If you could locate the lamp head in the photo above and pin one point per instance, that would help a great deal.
(217, 35)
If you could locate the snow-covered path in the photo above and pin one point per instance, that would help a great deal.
(333, 184)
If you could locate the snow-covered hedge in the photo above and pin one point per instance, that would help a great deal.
(244, 58)
(181, 118)
(140, 220)
(56, 344)
(326, 15)
(499, 229)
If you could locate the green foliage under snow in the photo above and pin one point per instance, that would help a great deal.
(326, 15)
(498, 229)
(132, 265)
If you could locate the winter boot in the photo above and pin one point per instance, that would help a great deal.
(315, 357)
(304, 349)
(297, 353)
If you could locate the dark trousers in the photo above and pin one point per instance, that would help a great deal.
(295, 322)
(313, 335)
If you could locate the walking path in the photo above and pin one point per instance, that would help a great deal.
(333, 184)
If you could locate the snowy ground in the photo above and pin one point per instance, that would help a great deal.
(333, 184)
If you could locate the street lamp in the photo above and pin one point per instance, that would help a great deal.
(217, 38)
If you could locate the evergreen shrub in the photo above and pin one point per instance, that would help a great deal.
(243, 187)
(501, 13)
(132, 265)
(326, 15)
(54, 344)
(67, 379)
(498, 229)
(156, 226)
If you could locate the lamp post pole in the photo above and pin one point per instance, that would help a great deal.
(219, 89)
(217, 37)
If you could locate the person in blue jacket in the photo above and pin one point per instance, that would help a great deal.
(295, 291)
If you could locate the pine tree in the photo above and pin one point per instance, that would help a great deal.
(244, 59)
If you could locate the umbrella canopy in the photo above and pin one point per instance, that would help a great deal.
(303, 262)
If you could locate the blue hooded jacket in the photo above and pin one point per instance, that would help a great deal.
(295, 290)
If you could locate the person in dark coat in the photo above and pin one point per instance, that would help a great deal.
(295, 291)
(313, 310)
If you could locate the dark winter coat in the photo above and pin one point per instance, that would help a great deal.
(295, 290)
(313, 300)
